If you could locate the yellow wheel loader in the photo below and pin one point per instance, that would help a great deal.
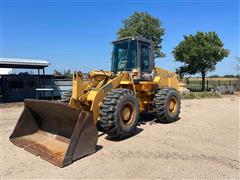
(110, 101)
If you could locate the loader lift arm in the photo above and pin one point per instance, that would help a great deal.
(95, 97)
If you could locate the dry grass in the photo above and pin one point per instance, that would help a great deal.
(214, 79)
(200, 95)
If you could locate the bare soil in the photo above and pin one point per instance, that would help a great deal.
(204, 143)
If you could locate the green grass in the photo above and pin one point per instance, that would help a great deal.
(200, 95)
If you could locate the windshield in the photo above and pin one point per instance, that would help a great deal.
(124, 56)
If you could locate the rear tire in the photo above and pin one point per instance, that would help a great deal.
(119, 114)
(167, 105)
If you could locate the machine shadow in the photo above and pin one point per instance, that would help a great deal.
(98, 148)
(150, 118)
(144, 119)
(136, 132)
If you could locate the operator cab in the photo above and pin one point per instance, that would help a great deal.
(134, 55)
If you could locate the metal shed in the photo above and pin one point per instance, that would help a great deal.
(16, 87)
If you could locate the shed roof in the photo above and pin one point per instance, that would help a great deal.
(23, 63)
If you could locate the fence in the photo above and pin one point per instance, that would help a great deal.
(62, 85)
(211, 83)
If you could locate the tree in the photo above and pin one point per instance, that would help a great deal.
(67, 72)
(200, 53)
(142, 24)
(181, 71)
(229, 76)
(57, 73)
(215, 76)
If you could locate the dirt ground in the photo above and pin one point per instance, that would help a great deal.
(204, 143)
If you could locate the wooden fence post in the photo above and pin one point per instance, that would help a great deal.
(207, 84)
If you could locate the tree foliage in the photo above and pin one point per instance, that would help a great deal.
(142, 24)
(67, 72)
(229, 76)
(181, 71)
(200, 53)
(214, 76)
(57, 73)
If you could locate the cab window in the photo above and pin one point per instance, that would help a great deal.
(144, 57)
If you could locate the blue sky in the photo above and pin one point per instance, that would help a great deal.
(77, 35)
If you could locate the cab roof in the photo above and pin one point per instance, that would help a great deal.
(133, 38)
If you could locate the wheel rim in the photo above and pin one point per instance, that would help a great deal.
(128, 113)
(172, 105)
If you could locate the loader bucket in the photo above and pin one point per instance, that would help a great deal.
(56, 132)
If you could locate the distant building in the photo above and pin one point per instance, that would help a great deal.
(16, 87)
(20, 86)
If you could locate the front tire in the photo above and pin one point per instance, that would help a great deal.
(119, 114)
(167, 105)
